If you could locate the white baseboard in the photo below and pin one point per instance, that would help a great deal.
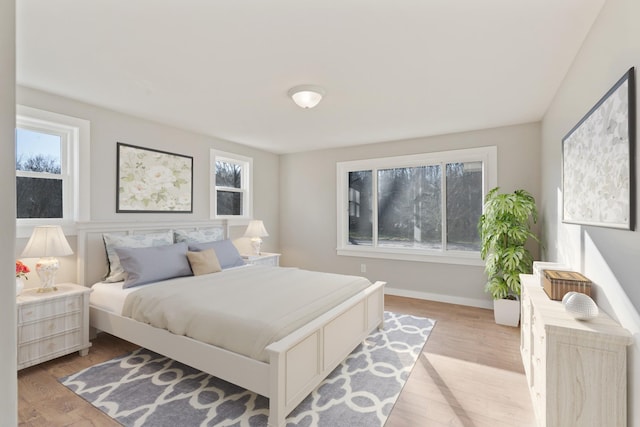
(472, 302)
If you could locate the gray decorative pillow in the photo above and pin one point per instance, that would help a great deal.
(227, 253)
(111, 241)
(153, 264)
(199, 236)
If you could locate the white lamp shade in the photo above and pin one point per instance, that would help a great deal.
(256, 229)
(47, 241)
(306, 96)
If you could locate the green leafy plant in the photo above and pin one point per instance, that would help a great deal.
(505, 227)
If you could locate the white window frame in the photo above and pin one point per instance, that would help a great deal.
(246, 189)
(75, 160)
(487, 155)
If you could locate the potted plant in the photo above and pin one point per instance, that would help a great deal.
(505, 227)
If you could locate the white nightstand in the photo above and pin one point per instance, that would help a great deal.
(265, 258)
(52, 324)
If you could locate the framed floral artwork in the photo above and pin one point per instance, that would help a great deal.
(598, 161)
(153, 181)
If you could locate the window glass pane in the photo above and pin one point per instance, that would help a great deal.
(464, 205)
(228, 174)
(37, 151)
(360, 204)
(409, 207)
(229, 203)
(39, 197)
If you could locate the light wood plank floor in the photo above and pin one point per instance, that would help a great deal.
(470, 375)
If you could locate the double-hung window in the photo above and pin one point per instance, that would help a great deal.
(41, 172)
(422, 207)
(51, 151)
(231, 183)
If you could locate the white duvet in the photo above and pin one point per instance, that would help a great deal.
(242, 310)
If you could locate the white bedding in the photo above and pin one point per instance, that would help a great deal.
(242, 310)
(111, 296)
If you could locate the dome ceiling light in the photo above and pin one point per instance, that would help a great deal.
(306, 96)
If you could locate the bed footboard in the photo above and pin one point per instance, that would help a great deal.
(300, 361)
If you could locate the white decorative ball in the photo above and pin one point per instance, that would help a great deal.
(566, 296)
(580, 306)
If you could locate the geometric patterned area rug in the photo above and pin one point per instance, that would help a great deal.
(143, 388)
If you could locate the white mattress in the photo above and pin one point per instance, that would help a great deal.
(109, 296)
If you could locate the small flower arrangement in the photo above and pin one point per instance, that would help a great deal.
(21, 270)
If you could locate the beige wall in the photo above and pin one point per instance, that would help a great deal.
(308, 210)
(109, 127)
(608, 257)
(8, 391)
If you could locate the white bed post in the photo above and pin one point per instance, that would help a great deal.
(277, 387)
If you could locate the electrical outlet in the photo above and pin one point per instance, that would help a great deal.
(363, 268)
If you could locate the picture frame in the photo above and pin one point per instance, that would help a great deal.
(153, 181)
(598, 161)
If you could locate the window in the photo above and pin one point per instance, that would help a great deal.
(231, 181)
(39, 177)
(422, 207)
(48, 168)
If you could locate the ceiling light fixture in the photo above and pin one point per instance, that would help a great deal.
(306, 96)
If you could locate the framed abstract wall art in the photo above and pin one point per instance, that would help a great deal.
(598, 161)
(153, 181)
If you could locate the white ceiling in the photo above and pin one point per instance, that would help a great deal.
(392, 69)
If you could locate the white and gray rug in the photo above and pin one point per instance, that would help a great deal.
(146, 389)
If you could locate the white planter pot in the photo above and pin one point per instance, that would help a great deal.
(506, 312)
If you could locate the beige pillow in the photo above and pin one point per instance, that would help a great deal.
(204, 262)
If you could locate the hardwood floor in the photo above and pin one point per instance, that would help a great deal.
(470, 375)
(470, 372)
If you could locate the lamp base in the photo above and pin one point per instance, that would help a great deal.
(47, 269)
(256, 243)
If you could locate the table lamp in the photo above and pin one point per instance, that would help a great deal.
(47, 242)
(256, 230)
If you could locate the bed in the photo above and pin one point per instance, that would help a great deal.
(294, 364)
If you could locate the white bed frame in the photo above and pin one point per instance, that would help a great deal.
(298, 362)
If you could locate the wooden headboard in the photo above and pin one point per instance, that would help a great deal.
(92, 257)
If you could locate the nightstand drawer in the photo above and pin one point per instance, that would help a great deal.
(49, 308)
(266, 258)
(264, 261)
(51, 326)
(49, 347)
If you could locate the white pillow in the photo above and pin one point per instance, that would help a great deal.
(111, 241)
(199, 236)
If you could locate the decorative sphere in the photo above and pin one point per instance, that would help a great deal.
(566, 296)
(580, 306)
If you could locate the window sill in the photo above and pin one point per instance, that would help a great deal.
(24, 227)
(459, 258)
